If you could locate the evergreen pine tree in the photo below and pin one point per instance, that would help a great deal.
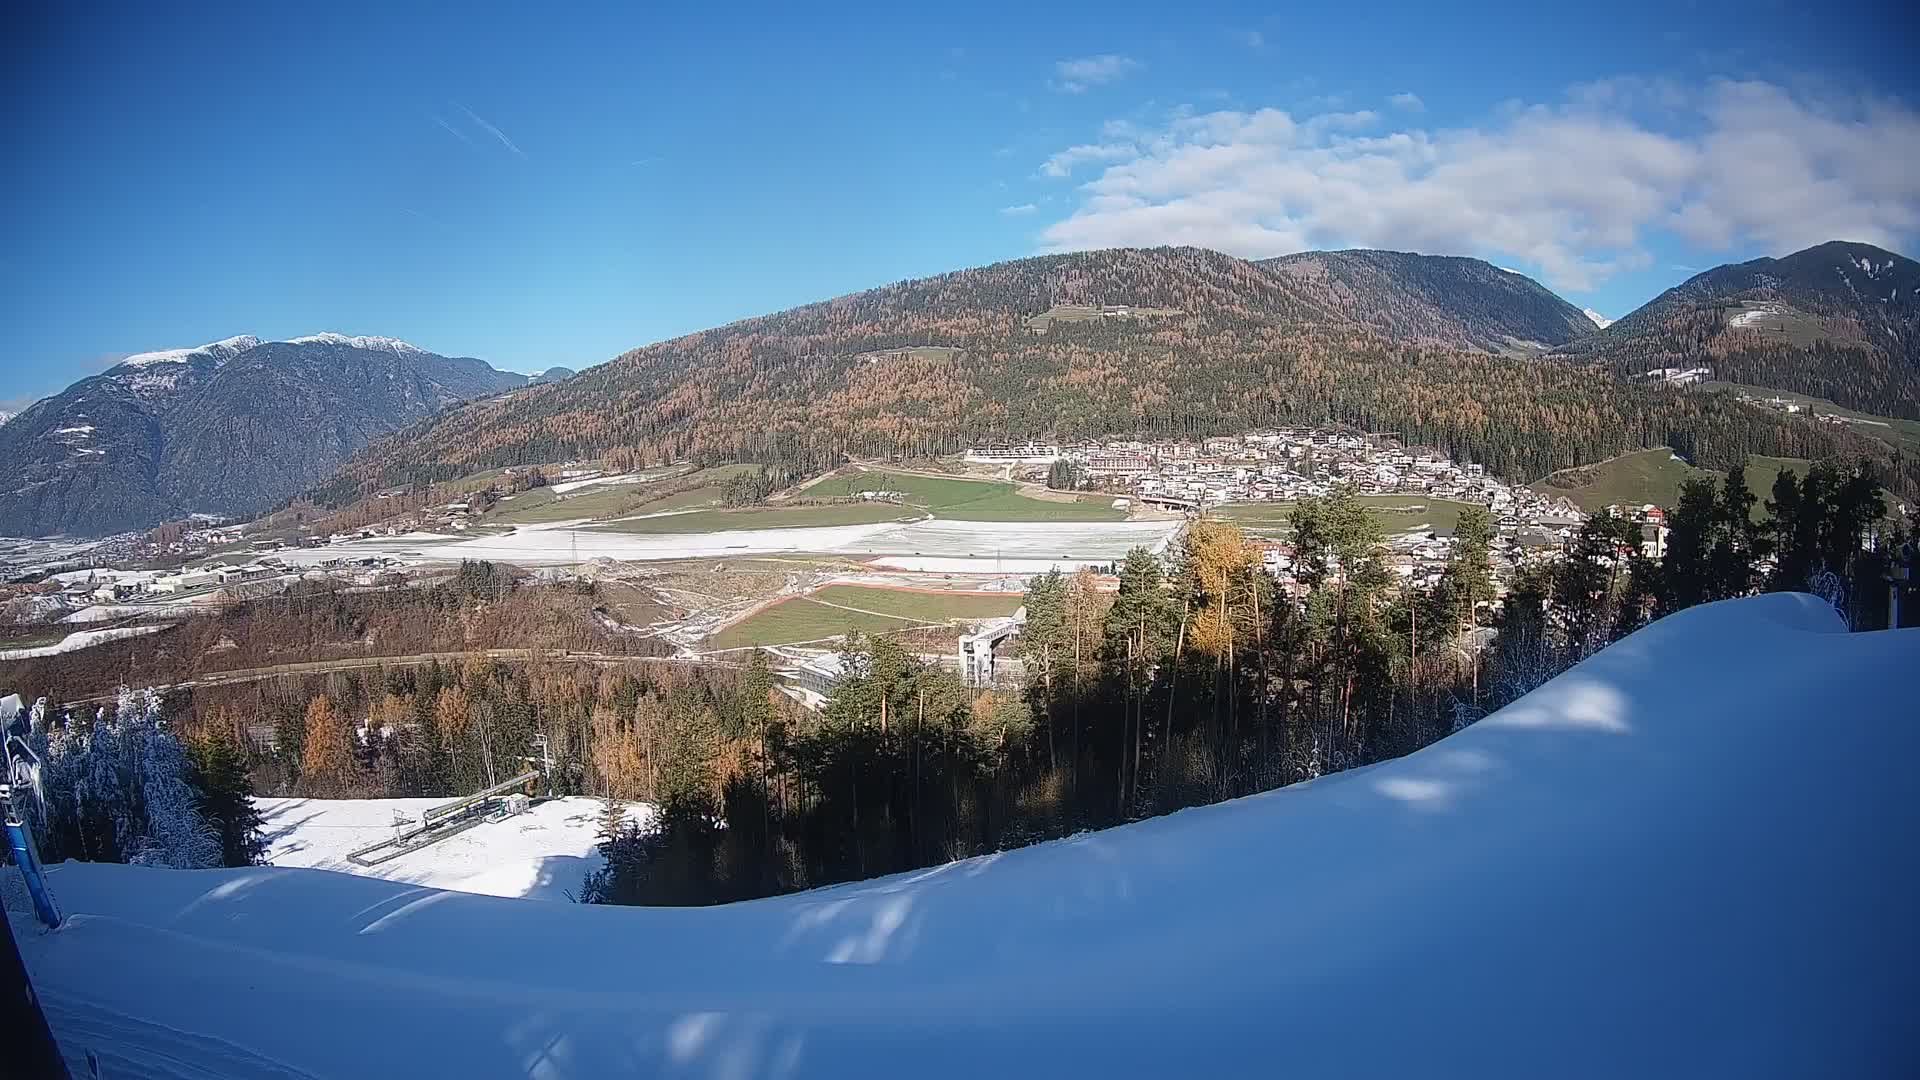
(1468, 578)
(1686, 570)
(613, 821)
(226, 797)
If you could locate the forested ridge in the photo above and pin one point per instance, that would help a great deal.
(926, 366)
(1444, 300)
(1838, 320)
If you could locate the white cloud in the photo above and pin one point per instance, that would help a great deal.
(1409, 101)
(1253, 39)
(1016, 211)
(1787, 172)
(1573, 189)
(1075, 76)
(1064, 162)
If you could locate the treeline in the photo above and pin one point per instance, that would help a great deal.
(443, 730)
(480, 606)
(1201, 678)
(752, 488)
(120, 784)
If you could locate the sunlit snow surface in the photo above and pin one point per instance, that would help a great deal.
(543, 854)
(1691, 856)
(220, 351)
(927, 543)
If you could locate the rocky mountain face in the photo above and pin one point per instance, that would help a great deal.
(1456, 302)
(1838, 320)
(228, 428)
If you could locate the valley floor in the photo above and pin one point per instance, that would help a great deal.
(1655, 865)
(933, 544)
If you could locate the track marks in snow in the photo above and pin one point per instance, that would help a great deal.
(126, 1046)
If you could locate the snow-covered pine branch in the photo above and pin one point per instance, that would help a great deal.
(116, 788)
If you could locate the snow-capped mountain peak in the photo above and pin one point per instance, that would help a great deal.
(221, 351)
(4, 417)
(1599, 320)
(382, 344)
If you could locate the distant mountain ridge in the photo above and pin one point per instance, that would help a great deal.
(1445, 299)
(1181, 342)
(1838, 320)
(229, 428)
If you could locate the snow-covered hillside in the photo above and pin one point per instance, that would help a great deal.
(543, 854)
(1693, 855)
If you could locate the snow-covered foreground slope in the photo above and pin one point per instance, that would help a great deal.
(543, 854)
(1691, 856)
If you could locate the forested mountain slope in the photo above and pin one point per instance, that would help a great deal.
(1207, 344)
(1443, 300)
(229, 428)
(1839, 320)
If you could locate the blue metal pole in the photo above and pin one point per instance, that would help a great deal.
(27, 857)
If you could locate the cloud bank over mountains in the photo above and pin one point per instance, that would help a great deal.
(1579, 188)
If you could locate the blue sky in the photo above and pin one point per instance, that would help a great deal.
(537, 186)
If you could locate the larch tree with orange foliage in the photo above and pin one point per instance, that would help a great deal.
(328, 755)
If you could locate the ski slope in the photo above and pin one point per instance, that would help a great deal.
(1692, 855)
(543, 854)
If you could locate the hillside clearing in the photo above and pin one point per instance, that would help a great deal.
(613, 497)
(967, 500)
(1396, 513)
(761, 517)
(838, 608)
(1895, 430)
(1655, 476)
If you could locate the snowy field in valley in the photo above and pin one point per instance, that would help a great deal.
(80, 639)
(21, 554)
(1691, 855)
(543, 854)
(933, 544)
